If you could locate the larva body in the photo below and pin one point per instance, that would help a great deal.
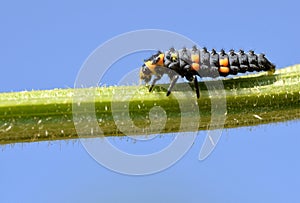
(193, 62)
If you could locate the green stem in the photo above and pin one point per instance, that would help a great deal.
(255, 99)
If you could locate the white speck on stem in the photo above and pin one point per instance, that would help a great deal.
(257, 116)
(8, 128)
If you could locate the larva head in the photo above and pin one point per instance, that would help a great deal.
(145, 74)
(149, 66)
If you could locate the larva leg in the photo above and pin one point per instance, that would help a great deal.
(153, 83)
(196, 87)
(160, 71)
(172, 83)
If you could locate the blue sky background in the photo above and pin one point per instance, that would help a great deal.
(43, 45)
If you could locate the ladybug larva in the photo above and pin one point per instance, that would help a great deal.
(190, 63)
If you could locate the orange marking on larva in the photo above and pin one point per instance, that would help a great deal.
(223, 69)
(195, 66)
(224, 62)
(195, 58)
(161, 60)
(150, 66)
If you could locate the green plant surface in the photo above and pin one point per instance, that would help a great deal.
(46, 115)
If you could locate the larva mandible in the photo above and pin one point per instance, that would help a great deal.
(190, 63)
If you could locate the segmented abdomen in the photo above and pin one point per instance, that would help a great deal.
(213, 64)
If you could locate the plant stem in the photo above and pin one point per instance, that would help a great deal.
(46, 115)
